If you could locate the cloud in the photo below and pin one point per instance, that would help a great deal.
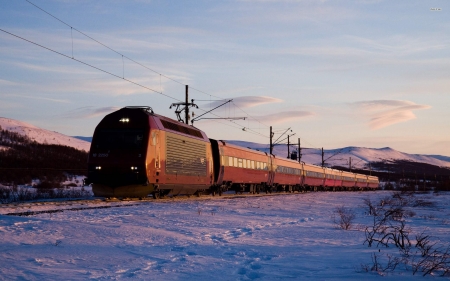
(38, 98)
(8, 83)
(285, 116)
(384, 113)
(90, 112)
(247, 101)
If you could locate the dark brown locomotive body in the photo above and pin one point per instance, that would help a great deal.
(135, 152)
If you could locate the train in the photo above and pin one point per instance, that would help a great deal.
(138, 153)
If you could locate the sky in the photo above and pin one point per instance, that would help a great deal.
(368, 73)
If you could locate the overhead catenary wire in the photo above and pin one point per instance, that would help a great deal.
(136, 62)
(87, 64)
(238, 126)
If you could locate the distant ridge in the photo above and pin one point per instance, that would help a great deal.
(360, 156)
(41, 135)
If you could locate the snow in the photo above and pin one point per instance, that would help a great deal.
(285, 236)
(41, 135)
(361, 156)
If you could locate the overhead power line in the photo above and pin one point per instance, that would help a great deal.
(130, 59)
(237, 125)
(87, 64)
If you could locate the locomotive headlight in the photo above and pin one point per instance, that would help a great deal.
(133, 168)
(124, 120)
(98, 168)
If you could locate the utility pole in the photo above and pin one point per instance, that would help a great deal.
(179, 110)
(299, 152)
(289, 156)
(186, 111)
(323, 162)
(271, 135)
(350, 164)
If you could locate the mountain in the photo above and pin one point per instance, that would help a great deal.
(41, 135)
(360, 156)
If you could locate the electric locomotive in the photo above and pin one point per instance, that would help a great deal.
(135, 152)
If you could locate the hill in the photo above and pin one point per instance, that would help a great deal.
(23, 160)
(41, 135)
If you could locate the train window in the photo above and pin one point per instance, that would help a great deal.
(265, 166)
(235, 161)
(244, 162)
(253, 164)
(239, 162)
(119, 139)
(248, 164)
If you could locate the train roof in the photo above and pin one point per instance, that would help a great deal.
(243, 148)
(177, 127)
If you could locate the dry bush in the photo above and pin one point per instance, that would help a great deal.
(389, 228)
(343, 217)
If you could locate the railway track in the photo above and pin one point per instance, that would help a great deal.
(49, 207)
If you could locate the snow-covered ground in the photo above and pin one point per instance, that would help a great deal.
(288, 236)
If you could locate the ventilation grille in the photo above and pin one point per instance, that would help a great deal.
(178, 128)
(185, 157)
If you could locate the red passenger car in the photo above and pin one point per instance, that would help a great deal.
(242, 169)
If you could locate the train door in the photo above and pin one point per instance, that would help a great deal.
(157, 143)
(216, 161)
(302, 175)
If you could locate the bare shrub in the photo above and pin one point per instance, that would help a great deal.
(389, 228)
(343, 217)
(381, 263)
(5, 194)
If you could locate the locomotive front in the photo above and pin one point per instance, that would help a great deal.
(117, 158)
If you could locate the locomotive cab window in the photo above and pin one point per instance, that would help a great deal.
(119, 139)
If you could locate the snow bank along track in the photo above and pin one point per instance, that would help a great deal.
(49, 207)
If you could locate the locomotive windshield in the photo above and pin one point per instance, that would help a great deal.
(119, 139)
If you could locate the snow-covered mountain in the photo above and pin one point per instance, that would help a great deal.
(360, 156)
(41, 135)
